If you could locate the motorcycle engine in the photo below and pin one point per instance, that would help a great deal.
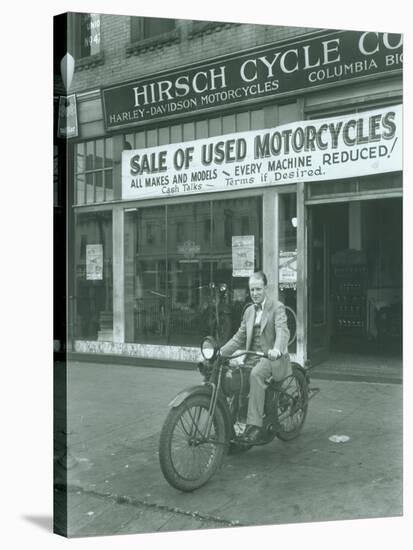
(236, 380)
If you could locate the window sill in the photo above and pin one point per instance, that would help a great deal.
(208, 27)
(153, 43)
(89, 62)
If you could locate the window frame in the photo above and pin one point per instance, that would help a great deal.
(139, 42)
(91, 59)
(103, 169)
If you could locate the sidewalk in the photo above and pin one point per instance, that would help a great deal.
(115, 414)
(357, 367)
(340, 366)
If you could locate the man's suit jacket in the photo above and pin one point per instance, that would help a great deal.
(274, 333)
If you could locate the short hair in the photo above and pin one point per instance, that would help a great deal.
(260, 275)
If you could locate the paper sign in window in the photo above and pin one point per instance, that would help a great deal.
(287, 274)
(243, 255)
(94, 262)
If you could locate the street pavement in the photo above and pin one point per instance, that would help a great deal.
(115, 414)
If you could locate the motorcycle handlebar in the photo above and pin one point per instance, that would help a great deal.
(256, 353)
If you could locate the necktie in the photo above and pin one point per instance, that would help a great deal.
(258, 309)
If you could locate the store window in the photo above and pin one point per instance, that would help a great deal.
(181, 282)
(382, 243)
(287, 266)
(93, 260)
(94, 171)
(143, 28)
(86, 34)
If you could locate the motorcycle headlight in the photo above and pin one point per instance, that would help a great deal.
(209, 348)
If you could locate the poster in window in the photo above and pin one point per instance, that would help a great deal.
(243, 255)
(287, 269)
(94, 262)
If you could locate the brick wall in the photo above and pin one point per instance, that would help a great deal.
(117, 66)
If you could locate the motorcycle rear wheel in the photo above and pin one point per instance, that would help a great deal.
(292, 406)
(187, 462)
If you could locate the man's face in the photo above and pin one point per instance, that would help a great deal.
(257, 290)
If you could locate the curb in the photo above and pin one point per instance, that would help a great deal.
(317, 374)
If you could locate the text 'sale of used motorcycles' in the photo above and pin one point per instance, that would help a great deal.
(208, 420)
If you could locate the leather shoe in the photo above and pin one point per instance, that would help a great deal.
(253, 435)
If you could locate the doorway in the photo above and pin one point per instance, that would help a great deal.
(355, 279)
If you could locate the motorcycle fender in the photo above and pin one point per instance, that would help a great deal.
(205, 390)
(302, 369)
(187, 392)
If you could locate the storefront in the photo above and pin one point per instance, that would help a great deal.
(200, 176)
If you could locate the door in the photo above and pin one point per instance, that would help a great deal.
(318, 282)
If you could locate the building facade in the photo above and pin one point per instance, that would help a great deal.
(198, 152)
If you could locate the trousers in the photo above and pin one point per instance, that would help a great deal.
(278, 369)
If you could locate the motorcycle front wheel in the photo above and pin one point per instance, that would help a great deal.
(188, 458)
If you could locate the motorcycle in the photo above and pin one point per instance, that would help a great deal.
(208, 421)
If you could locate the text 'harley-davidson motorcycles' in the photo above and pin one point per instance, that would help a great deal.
(208, 420)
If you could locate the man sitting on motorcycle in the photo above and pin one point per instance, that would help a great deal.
(263, 328)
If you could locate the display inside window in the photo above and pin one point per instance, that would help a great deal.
(179, 280)
(349, 293)
(93, 315)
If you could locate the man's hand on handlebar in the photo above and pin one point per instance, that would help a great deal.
(274, 354)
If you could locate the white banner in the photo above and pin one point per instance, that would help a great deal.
(313, 150)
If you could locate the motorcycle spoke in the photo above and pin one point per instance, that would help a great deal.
(186, 462)
(183, 430)
(292, 390)
(207, 450)
(291, 380)
(292, 416)
(193, 460)
(184, 427)
(203, 450)
(195, 425)
(190, 426)
(192, 454)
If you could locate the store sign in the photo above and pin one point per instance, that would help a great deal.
(312, 150)
(94, 262)
(67, 126)
(274, 71)
(243, 254)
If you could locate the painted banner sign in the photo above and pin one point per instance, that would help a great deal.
(319, 60)
(312, 150)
